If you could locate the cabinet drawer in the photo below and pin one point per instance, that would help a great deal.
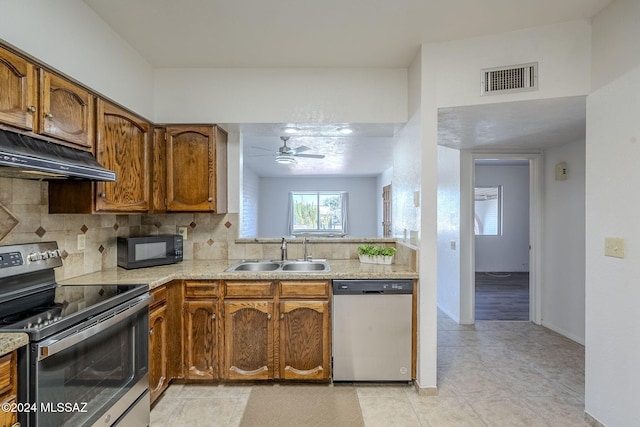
(158, 296)
(200, 289)
(304, 289)
(6, 373)
(249, 289)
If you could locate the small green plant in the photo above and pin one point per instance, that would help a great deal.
(373, 250)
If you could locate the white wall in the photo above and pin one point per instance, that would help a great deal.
(248, 95)
(274, 203)
(68, 36)
(613, 209)
(563, 236)
(509, 251)
(250, 203)
(449, 231)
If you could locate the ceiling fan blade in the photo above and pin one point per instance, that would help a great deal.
(311, 156)
(300, 149)
(260, 155)
(260, 148)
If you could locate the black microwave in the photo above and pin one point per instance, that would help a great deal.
(149, 251)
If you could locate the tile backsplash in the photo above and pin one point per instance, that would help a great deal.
(25, 217)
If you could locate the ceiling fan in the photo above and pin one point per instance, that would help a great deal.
(287, 155)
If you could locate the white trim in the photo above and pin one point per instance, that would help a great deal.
(467, 259)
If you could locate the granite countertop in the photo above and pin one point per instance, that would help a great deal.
(214, 270)
(12, 341)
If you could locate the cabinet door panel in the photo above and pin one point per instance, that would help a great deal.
(248, 340)
(17, 91)
(158, 380)
(190, 169)
(200, 344)
(304, 340)
(123, 146)
(66, 111)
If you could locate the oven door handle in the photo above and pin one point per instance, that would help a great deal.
(52, 346)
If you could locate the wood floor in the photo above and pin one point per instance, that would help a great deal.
(502, 296)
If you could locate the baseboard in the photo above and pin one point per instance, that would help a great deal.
(449, 314)
(572, 337)
(425, 391)
(592, 421)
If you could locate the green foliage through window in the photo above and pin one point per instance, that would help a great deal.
(314, 212)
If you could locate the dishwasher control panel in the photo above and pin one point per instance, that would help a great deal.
(372, 286)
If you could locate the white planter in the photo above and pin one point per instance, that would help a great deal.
(378, 259)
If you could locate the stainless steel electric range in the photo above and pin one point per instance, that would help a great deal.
(86, 363)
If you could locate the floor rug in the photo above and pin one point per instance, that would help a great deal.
(302, 405)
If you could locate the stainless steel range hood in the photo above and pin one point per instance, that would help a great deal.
(22, 156)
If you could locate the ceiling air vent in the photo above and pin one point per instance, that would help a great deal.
(510, 79)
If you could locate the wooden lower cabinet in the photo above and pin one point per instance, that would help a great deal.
(201, 330)
(200, 340)
(158, 330)
(305, 334)
(248, 346)
(8, 388)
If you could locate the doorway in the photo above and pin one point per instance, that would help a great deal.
(501, 229)
(468, 237)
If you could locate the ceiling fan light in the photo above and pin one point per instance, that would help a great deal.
(285, 159)
(345, 131)
(290, 129)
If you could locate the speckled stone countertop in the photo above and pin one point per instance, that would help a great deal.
(12, 341)
(215, 270)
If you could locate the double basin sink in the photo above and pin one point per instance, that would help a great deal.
(315, 265)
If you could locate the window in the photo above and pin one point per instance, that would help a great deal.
(320, 212)
(488, 211)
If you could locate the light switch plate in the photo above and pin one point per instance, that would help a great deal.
(614, 247)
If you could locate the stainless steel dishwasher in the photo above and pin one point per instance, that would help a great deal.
(372, 330)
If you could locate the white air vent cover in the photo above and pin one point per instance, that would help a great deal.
(509, 79)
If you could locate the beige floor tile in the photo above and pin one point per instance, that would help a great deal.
(506, 413)
(437, 411)
(387, 411)
(209, 412)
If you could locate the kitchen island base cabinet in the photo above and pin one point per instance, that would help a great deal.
(248, 340)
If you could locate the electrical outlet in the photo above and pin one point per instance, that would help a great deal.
(183, 232)
(614, 247)
(82, 242)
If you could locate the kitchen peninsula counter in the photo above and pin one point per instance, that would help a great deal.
(215, 270)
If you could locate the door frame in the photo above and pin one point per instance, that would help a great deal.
(467, 279)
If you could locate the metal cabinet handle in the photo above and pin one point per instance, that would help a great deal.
(103, 195)
(268, 316)
(151, 331)
(210, 199)
(49, 116)
(213, 317)
(31, 109)
(281, 315)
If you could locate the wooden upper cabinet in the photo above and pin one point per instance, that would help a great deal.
(196, 169)
(122, 146)
(18, 90)
(66, 111)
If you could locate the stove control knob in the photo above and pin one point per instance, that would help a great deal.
(36, 256)
(44, 255)
(54, 253)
